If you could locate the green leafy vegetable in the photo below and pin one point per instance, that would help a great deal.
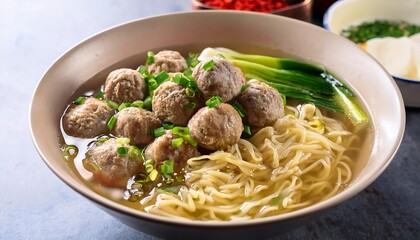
(295, 79)
(79, 100)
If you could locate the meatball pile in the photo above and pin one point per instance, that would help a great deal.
(183, 103)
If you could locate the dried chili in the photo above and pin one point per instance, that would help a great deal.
(247, 5)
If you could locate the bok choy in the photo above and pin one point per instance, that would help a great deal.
(295, 79)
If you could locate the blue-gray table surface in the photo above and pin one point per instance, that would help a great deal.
(35, 204)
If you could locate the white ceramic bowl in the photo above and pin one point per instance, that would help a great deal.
(345, 13)
(126, 46)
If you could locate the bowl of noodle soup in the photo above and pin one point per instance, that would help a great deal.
(281, 177)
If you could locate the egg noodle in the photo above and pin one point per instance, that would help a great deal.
(297, 162)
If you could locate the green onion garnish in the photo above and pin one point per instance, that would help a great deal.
(122, 141)
(123, 105)
(247, 132)
(153, 175)
(102, 139)
(181, 131)
(157, 132)
(112, 104)
(192, 60)
(149, 162)
(149, 168)
(168, 126)
(137, 104)
(244, 87)
(208, 65)
(167, 167)
(187, 72)
(70, 150)
(190, 140)
(177, 142)
(79, 100)
(161, 77)
(241, 111)
(191, 105)
(100, 95)
(143, 70)
(122, 150)
(147, 103)
(150, 58)
(111, 123)
(189, 92)
(213, 101)
(134, 152)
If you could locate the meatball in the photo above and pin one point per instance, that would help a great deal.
(124, 85)
(161, 149)
(88, 119)
(170, 103)
(109, 167)
(223, 79)
(216, 128)
(136, 124)
(170, 61)
(262, 103)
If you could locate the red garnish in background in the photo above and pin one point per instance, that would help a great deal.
(246, 5)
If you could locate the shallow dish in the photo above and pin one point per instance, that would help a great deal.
(127, 44)
(301, 10)
(345, 13)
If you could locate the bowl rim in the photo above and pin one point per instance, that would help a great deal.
(326, 24)
(290, 216)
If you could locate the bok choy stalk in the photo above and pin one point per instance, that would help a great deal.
(295, 79)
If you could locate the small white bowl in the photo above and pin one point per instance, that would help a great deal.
(345, 13)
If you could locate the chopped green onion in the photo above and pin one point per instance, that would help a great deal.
(112, 104)
(244, 87)
(149, 162)
(247, 132)
(161, 77)
(111, 123)
(150, 58)
(177, 142)
(147, 103)
(189, 92)
(100, 95)
(213, 101)
(241, 111)
(122, 150)
(208, 65)
(192, 60)
(157, 132)
(122, 141)
(153, 175)
(70, 150)
(191, 105)
(79, 100)
(102, 139)
(143, 70)
(149, 168)
(168, 126)
(187, 72)
(167, 167)
(123, 105)
(134, 152)
(190, 140)
(181, 131)
(137, 104)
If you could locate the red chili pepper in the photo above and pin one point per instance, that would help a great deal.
(246, 5)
